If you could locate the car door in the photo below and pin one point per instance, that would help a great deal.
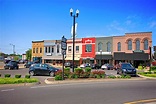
(37, 68)
(45, 69)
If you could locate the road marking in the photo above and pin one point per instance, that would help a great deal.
(7, 90)
(141, 101)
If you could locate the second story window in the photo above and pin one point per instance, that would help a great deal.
(146, 44)
(99, 46)
(40, 50)
(69, 48)
(33, 50)
(108, 47)
(49, 50)
(36, 50)
(58, 48)
(77, 48)
(52, 49)
(45, 49)
(119, 46)
(88, 48)
(137, 44)
(129, 45)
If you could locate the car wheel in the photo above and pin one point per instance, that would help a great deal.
(9, 68)
(32, 73)
(51, 74)
(16, 67)
(117, 72)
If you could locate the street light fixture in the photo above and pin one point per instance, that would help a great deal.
(13, 48)
(74, 16)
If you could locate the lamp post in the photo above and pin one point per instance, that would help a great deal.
(101, 57)
(13, 48)
(74, 16)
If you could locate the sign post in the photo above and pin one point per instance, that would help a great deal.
(64, 48)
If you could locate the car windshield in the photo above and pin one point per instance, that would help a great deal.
(127, 66)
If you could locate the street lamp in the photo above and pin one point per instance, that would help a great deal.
(101, 57)
(13, 48)
(74, 16)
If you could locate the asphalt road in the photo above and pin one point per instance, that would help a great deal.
(108, 92)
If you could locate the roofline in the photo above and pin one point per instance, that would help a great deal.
(37, 41)
(139, 32)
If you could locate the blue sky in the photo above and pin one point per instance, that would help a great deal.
(24, 21)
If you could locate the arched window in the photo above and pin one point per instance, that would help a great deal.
(58, 48)
(129, 45)
(36, 50)
(145, 44)
(119, 46)
(108, 47)
(137, 44)
(99, 46)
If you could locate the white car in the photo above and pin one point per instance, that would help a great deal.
(84, 65)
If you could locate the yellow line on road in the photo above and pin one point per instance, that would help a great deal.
(141, 101)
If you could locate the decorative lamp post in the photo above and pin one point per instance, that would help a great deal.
(74, 16)
(101, 58)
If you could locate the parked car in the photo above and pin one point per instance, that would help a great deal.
(85, 65)
(42, 69)
(28, 64)
(69, 64)
(126, 69)
(6, 61)
(95, 66)
(11, 65)
(107, 66)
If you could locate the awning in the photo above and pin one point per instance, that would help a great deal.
(107, 57)
(130, 56)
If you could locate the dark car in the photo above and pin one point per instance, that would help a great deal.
(95, 66)
(107, 66)
(126, 69)
(11, 65)
(28, 64)
(42, 69)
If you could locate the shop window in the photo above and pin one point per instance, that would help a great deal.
(45, 49)
(52, 49)
(49, 50)
(145, 44)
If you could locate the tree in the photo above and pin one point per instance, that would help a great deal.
(28, 54)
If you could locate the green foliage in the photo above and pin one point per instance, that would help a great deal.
(78, 71)
(28, 54)
(17, 80)
(85, 74)
(97, 73)
(18, 76)
(153, 68)
(112, 76)
(66, 71)
(0, 75)
(140, 67)
(58, 77)
(7, 75)
(88, 69)
(27, 76)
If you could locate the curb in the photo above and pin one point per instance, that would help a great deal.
(86, 80)
(146, 77)
(21, 84)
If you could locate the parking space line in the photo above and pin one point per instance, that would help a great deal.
(7, 90)
(141, 101)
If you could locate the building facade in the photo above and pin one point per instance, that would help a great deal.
(78, 51)
(37, 50)
(104, 49)
(88, 50)
(52, 52)
(132, 48)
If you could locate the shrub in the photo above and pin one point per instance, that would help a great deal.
(140, 67)
(27, 76)
(96, 73)
(85, 75)
(59, 72)
(112, 76)
(88, 69)
(152, 68)
(78, 71)
(127, 76)
(58, 77)
(98, 76)
(67, 71)
(18, 76)
(7, 75)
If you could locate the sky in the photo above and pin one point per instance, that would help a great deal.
(24, 21)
